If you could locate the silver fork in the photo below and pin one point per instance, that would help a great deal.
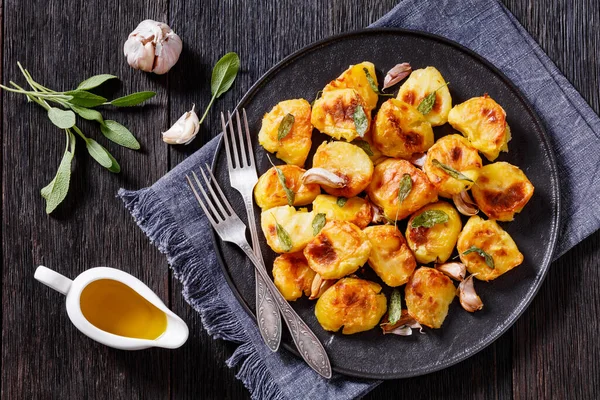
(231, 229)
(243, 177)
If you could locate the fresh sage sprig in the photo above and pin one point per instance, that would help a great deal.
(289, 193)
(318, 223)
(405, 187)
(285, 126)
(489, 260)
(341, 201)
(283, 236)
(81, 102)
(363, 144)
(429, 218)
(451, 171)
(395, 307)
(223, 74)
(361, 123)
(426, 105)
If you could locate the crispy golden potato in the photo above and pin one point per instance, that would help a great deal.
(434, 244)
(333, 113)
(390, 257)
(483, 122)
(269, 192)
(356, 210)
(355, 78)
(292, 276)
(356, 305)
(428, 296)
(502, 190)
(495, 241)
(347, 161)
(297, 224)
(372, 151)
(456, 152)
(420, 84)
(401, 130)
(383, 190)
(338, 250)
(294, 148)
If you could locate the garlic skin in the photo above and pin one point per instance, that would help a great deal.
(465, 204)
(323, 177)
(319, 286)
(184, 130)
(469, 300)
(152, 47)
(454, 270)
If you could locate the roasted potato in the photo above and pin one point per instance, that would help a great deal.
(333, 113)
(372, 151)
(338, 250)
(383, 190)
(292, 276)
(348, 162)
(428, 296)
(296, 223)
(434, 244)
(492, 239)
(420, 84)
(293, 148)
(353, 304)
(390, 257)
(356, 210)
(483, 122)
(455, 152)
(355, 78)
(269, 192)
(400, 130)
(502, 190)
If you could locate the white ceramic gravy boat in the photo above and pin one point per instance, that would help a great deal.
(174, 336)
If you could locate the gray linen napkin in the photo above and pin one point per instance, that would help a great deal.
(163, 210)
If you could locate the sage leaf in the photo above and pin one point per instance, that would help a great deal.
(395, 307)
(224, 73)
(289, 193)
(98, 153)
(429, 218)
(451, 171)
(371, 81)
(115, 167)
(95, 81)
(87, 113)
(319, 93)
(426, 105)
(363, 144)
(64, 119)
(404, 188)
(489, 260)
(361, 122)
(84, 98)
(132, 99)
(318, 223)
(117, 133)
(284, 237)
(341, 201)
(56, 191)
(285, 126)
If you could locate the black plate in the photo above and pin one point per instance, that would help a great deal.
(371, 354)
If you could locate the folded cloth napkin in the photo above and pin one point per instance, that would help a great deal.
(484, 26)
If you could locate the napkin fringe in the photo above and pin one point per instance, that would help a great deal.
(188, 266)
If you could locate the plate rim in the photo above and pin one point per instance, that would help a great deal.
(545, 139)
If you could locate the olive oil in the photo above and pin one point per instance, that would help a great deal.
(116, 308)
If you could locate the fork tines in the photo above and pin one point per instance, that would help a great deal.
(214, 216)
(247, 156)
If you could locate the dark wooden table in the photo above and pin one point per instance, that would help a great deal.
(551, 352)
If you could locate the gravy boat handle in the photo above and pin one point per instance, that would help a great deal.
(53, 279)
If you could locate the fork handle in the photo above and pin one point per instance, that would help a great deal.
(309, 346)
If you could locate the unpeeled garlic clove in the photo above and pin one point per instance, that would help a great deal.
(377, 212)
(454, 270)
(323, 177)
(403, 327)
(418, 159)
(152, 47)
(465, 204)
(396, 74)
(184, 130)
(319, 286)
(469, 300)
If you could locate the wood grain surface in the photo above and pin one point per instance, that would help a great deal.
(551, 352)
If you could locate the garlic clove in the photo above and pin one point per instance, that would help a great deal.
(465, 204)
(403, 327)
(184, 130)
(152, 47)
(396, 74)
(377, 212)
(469, 300)
(169, 55)
(418, 159)
(454, 270)
(319, 286)
(323, 177)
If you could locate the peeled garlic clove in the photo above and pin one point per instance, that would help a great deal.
(454, 270)
(418, 159)
(319, 286)
(323, 177)
(184, 130)
(467, 296)
(396, 74)
(465, 204)
(152, 47)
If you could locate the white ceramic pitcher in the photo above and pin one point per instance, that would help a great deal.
(174, 336)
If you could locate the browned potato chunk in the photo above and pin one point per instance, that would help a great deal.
(420, 84)
(292, 276)
(455, 152)
(401, 130)
(347, 161)
(372, 151)
(390, 257)
(502, 190)
(495, 241)
(483, 122)
(269, 192)
(333, 113)
(296, 224)
(355, 78)
(383, 190)
(293, 148)
(338, 250)
(434, 244)
(428, 296)
(356, 210)
(353, 304)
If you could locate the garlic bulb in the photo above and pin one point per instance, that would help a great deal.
(184, 130)
(152, 47)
